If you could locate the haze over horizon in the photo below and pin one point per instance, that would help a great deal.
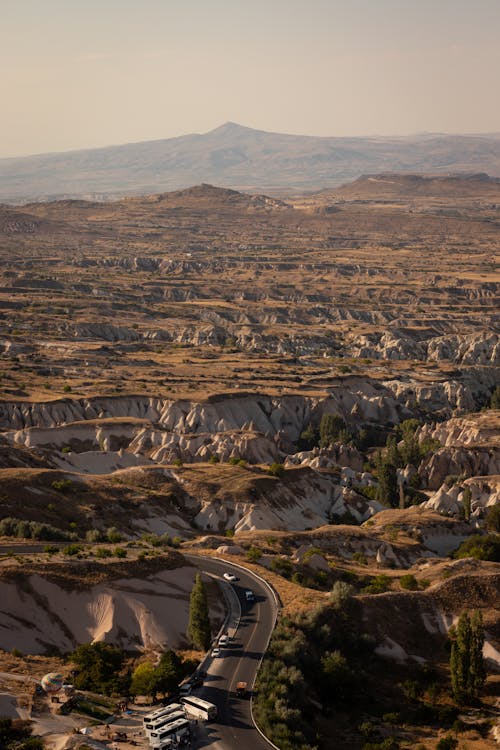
(80, 76)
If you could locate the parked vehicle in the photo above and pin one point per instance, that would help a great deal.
(229, 576)
(153, 729)
(155, 717)
(176, 730)
(199, 708)
(249, 596)
(224, 640)
(215, 651)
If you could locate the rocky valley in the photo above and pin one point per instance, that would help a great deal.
(307, 385)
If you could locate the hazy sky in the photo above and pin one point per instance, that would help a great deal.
(78, 74)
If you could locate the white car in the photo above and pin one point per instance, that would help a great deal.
(229, 577)
(224, 640)
(216, 651)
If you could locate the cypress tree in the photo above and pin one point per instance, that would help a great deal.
(388, 491)
(466, 660)
(198, 630)
(330, 428)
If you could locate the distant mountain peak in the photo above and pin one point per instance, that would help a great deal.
(229, 128)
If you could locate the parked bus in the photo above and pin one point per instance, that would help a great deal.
(159, 724)
(174, 731)
(199, 708)
(160, 712)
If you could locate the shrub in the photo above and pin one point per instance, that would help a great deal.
(62, 485)
(254, 554)
(408, 582)
(214, 459)
(480, 547)
(378, 585)
(120, 552)
(359, 558)
(102, 552)
(67, 389)
(276, 470)
(447, 743)
(113, 535)
(72, 549)
(66, 449)
(93, 535)
(341, 594)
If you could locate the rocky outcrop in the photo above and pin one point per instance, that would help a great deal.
(328, 458)
(458, 462)
(478, 429)
(466, 349)
(484, 492)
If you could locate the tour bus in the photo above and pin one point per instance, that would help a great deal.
(174, 731)
(159, 724)
(160, 713)
(199, 708)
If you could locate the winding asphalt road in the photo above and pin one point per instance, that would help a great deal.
(234, 728)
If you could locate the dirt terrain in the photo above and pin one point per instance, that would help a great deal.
(167, 363)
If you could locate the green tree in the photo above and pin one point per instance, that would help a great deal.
(387, 490)
(466, 503)
(393, 455)
(144, 680)
(466, 660)
(99, 666)
(495, 398)
(330, 428)
(309, 438)
(169, 672)
(493, 518)
(199, 623)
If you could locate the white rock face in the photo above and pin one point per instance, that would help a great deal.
(485, 491)
(466, 349)
(127, 613)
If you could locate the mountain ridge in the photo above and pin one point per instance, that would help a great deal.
(238, 157)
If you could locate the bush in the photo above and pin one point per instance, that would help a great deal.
(113, 535)
(276, 470)
(378, 585)
(480, 547)
(93, 535)
(447, 743)
(408, 582)
(102, 552)
(254, 554)
(341, 594)
(62, 485)
(120, 552)
(72, 549)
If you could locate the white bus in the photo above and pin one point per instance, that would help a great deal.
(158, 725)
(173, 731)
(199, 708)
(160, 713)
